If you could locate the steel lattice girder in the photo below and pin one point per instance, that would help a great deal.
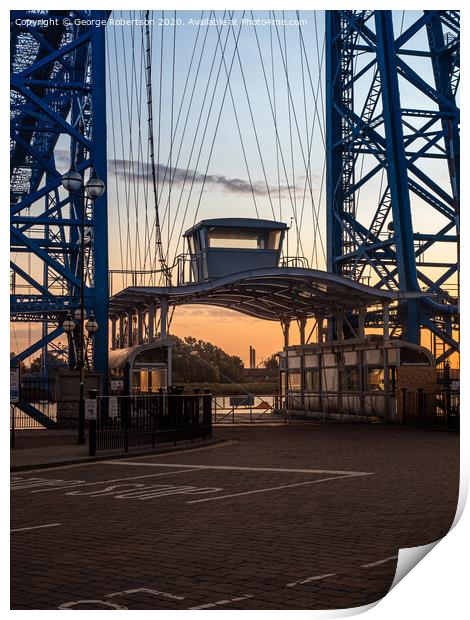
(57, 90)
(381, 128)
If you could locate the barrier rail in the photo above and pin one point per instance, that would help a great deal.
(246, 408)
(130, 421)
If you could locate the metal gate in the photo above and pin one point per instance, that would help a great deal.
(246, 409)
(130, 421)
(434, 408)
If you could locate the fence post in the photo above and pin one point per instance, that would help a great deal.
(92, 427)
(191, 405)
(420, 405)
(153, 409)
(127, 421)
(12, 432)
(447, 392)
(403, 405)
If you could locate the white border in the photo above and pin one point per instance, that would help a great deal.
(438, 587)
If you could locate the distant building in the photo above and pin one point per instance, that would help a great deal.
(260, 375)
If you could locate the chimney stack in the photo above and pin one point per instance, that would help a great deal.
(252, 357)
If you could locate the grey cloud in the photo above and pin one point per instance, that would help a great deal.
(181, 176)
(123, 167)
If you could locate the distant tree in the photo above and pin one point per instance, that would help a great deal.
(23, 366)
(53, 364)
(200, 361)
(271, 362)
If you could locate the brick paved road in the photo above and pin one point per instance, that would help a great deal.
(161, 533)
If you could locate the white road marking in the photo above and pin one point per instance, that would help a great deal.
(316, 578)
(35, 527)
(389, 559)
(223, 602)
(231, 468)
(136, 490)
(147, 591)
(110, 461)
(84, 483)
(46, 485)
(108, 604)
(113, 605)
(266, 490)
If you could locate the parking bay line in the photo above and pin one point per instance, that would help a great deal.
(255, 469)
(84, 483)
(35, 527)
(146, 591)
(223, 602)
(320, 577)
(309, 579)
(278, 488)
(372, 564)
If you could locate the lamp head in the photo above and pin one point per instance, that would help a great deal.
(91, 325)
(72, 180)
(69, 324)
(94, 187)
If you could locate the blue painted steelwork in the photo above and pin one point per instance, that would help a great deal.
(370, 72)
(58, 115)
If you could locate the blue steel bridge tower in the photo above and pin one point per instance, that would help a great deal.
(58, 116)
(392, 120)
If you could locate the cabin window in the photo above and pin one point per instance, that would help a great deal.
(374, 356)
(153, 380)
(136, 382)
(412, 356)
(311, 361)
(350, 358)
(351, 380)
(244, 238)
(144, 380)
(330, 379)
(294, 380)
(294, 362)
(273, 240)
(312, 380)
(205, 272)
(376, 379)
(194, 246)
(192, 249)
(202, 239)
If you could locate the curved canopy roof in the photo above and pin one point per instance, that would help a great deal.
(271, 293)
(118, 358)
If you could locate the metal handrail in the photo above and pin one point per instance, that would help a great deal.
(298, 262)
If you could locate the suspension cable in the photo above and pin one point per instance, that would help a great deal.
(148, 68)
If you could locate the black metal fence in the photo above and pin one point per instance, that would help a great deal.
(434, 408)
(129, 421)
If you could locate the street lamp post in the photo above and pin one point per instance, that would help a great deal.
(72, 181)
